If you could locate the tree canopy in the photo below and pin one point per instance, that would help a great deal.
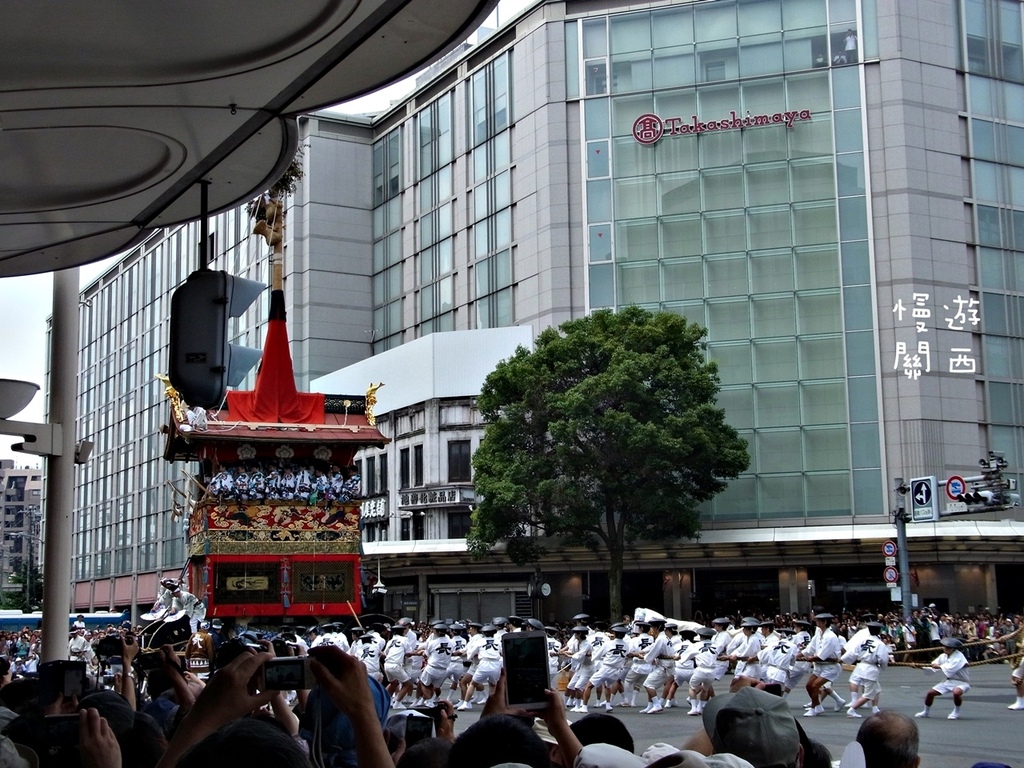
(606, 433)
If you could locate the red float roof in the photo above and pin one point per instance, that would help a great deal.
(275, 411)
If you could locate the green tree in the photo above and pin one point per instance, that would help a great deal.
(606, 433)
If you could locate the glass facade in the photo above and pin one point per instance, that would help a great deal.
(748, 222)
(991, 54)
(451, 252)
(125, 521)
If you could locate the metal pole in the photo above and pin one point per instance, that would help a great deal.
(900, 518)
(60, 469)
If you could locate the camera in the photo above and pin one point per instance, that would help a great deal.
(111, 645)
(410, 725)
(287, 674)
(231, 650)
(61, 678)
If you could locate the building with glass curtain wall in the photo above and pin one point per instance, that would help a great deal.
(834, 188)
(827, 185)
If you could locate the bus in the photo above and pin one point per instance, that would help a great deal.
(15, 621)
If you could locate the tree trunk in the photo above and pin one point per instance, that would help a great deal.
(614, 583)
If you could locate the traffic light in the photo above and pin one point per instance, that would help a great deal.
(203, 364)
(976, 497)
(997, 498)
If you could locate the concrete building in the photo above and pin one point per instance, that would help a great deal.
(834, 188)
(20, 547)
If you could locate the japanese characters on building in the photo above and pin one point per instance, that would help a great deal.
(917, 319)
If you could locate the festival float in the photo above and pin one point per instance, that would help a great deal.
(273, 503)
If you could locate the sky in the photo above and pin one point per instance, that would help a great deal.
(26, 302)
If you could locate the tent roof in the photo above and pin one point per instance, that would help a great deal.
(111, 113)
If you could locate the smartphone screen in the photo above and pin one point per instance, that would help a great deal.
(526, 669)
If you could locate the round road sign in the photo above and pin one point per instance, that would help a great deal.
(889, 548)
(955, 486)
(891, 575)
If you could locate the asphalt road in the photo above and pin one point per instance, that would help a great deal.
(986, 731)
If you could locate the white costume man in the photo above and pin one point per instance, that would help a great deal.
(721, 640)
(704, 654)
(609, 666)
(640, 668)
(367, 650)
(579, 650)
(455, 663)
(662, 661)
(777, 662)
(489, 655)
(748, 671)
(870, 657)
(399, 685)
(800, 667)
(79, 647)
(470, 655)
(177, 600)
(824, 651)
(681, 644)
(438, 655)
(954, 667)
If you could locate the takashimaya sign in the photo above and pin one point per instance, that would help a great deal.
(649, 128)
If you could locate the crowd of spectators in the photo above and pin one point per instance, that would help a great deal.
(145, 709)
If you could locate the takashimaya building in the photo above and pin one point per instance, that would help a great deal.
(834, 188)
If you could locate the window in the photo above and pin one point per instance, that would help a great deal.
(459, 465)
(459, 523)
(403, 468)
(406, 532)
(418, 526)
(387, 167)
(387, 243)
(417, 465)
(383, 473)
(493, 279)
(491, 99)
(435, 135)
(370, 478)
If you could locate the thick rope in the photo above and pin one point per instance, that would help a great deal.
(1012, 659)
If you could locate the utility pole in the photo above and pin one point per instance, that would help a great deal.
(899, 516)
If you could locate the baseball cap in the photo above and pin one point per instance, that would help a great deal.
(753, 725)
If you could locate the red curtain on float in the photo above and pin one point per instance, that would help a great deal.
(275, 399)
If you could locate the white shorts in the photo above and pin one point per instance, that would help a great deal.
(948, 686)
(828, 671)
(720, 669)
(794, 678)
(777, 675)
(396, 673)
(635, 678)
(604, 676)
(869, 688)
(580, 678)
(657, 679)
(433, 676)
(1019, 671)
(682, 675)
(486, 676)
(703, 678)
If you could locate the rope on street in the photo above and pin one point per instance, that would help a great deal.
(1012, 659)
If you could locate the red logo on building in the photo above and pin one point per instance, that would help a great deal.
(648, 128)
